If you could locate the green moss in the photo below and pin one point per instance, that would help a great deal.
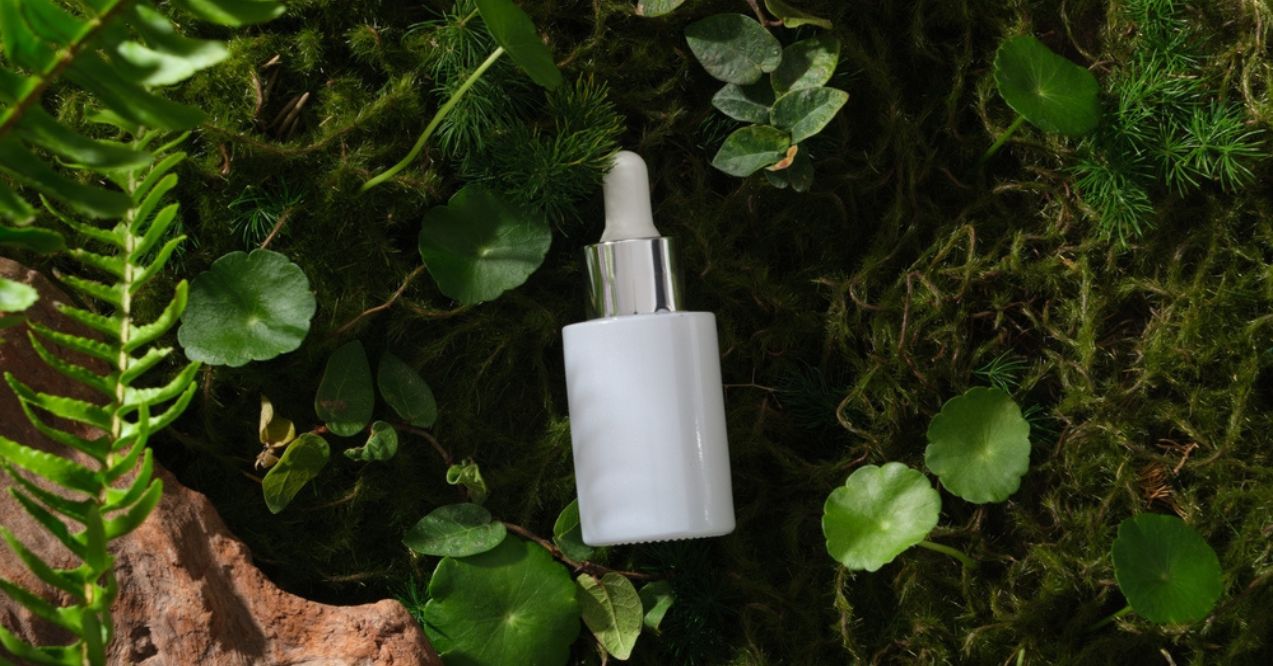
(847, 317)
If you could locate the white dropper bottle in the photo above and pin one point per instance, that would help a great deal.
(647, 413)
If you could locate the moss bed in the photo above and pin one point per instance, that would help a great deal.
(847, 316)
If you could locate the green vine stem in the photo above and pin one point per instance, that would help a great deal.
(947, 550)
(437, 120)
(1111, 617)
(1003, 138)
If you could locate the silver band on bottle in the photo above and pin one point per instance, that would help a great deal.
(627, 277)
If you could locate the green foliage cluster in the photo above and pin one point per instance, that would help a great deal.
(779, 91)
(1169, 127)
(848, 315)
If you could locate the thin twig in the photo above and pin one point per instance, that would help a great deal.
(383, 306)
(577, 567)
(278, 226)
(428, 437)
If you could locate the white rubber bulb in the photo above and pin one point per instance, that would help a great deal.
(627, 194)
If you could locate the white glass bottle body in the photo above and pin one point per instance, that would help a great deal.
(647, 425)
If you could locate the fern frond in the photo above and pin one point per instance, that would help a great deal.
(117, 50)
(92, 504)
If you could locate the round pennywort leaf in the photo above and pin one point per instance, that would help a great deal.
(1051, 92)
(878, 513)
(455, 530)
(734, 48)
(979, 445)
(479, 246)
(510, 605)
(246, 307)
(345, 399)
(1167, 571)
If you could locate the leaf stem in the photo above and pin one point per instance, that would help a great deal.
(437, 120)
(947, 550)
(1003, 138)
(1112, 616)
(588, 567)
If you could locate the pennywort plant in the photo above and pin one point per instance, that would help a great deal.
(472, 586)
(1166, 570)
(780, 92)
(1044, 89)
(978, 446)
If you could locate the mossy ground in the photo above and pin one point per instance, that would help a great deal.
(847, 316)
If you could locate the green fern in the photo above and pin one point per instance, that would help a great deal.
(117, 50)
(110, 489)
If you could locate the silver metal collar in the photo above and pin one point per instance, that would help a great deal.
(627, 277)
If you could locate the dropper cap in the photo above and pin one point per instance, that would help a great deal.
(633, 270)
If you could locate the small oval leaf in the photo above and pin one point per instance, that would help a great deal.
(382, 444)
(455, 530)
(652, 8)
(806, 64)
(16, 296)
(301, 462)
(345, 400)
(612, 609)
(807, 111)
(568, 534)
(749, 104)
(751, 149)
(793, 17)
(406, 392)
(733, 48)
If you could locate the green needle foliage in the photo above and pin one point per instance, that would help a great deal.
(108, 489)
(1167, 125)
